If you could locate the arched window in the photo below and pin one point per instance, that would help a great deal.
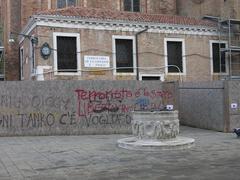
(65, 3)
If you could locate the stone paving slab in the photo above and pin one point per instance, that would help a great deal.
(215, 156)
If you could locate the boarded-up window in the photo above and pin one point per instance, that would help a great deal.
(132, 5)
(66, 54)
(124, 55)
(174, 50)
(218, 58)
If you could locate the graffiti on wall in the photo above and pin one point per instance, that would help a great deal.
(120, 100)
(84, 108)
(34, 102)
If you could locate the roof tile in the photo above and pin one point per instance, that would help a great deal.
(103, 14)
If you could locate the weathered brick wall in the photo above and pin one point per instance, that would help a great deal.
(104, 4)
(199, 8)
(53, 3)
(1, 20)
(237, 6)
(11, 24)
(197, 51)
(147, 6)
(15, 16)
(29, 7)
(151, 53)
(26, 61)
(161, 7)
(1, 11)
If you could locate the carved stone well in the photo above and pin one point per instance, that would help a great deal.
(155, 130)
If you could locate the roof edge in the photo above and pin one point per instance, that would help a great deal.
(35, 19)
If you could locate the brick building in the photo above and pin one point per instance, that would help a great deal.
(200, 8)
(15, 15)
(99, 44)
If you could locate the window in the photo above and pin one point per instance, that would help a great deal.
(65, 3)
(132, 5)
(124, 54)
(67, 53)
(151, 77)
(1, 53)
(175, 56)
(218, 58)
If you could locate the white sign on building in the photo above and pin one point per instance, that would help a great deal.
(234, 106)
(97, 61)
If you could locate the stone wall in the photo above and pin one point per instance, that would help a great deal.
(202, 105)
(104, 107)
(233, 109)
(210, 105)
(78, 107)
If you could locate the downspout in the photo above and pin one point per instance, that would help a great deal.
(137, 61)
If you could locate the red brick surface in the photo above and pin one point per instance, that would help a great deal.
(125, 16)
(14, 15)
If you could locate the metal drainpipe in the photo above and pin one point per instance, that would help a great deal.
(136, 38)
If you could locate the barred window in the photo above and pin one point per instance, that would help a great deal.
(124, 55)
(218, 58)
(66, 54)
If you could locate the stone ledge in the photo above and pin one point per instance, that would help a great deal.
(178, 143)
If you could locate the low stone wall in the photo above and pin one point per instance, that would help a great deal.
(210, 105)
(202, 105)
(233, 101)
(78, 107)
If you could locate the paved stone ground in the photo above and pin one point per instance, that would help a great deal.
(215, 156)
